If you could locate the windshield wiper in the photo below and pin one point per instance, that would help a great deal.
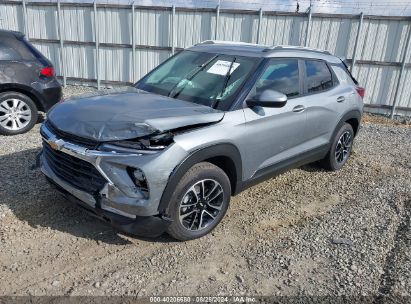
(215, 102)
(190, 75)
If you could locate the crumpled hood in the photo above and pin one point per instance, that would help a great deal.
(127, 113)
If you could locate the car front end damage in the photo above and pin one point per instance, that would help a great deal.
(114, 152)
(120, 184)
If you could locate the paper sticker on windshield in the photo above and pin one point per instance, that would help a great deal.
(221, 67)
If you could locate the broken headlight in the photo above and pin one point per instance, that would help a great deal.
(147, 145)
(139, 179)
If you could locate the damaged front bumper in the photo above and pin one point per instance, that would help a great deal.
(118, 195)
(148, 226)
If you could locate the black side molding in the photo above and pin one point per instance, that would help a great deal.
(283, 166)
(353, 114)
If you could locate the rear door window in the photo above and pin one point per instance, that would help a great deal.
(318, 76)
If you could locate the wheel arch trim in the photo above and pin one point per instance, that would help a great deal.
(353, 114)
(23, 89)
(219, 150)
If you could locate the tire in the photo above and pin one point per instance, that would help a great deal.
(18, 113)
(340, 150)
(200, 216)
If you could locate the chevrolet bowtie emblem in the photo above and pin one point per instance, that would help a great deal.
(55, 145)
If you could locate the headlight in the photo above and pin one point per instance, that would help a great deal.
(150, 145)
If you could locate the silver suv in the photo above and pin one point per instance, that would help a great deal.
(168, 153)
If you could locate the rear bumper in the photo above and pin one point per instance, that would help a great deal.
(147, 226)
(50, 93)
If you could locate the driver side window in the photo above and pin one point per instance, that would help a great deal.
(282, 75)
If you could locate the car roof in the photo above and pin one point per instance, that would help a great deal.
(8, 33)
(262, 51)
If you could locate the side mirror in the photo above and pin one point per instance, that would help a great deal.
(269, 99)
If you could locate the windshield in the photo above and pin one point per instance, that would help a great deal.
(204, 78)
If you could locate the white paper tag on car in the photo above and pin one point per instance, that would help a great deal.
(221, 67)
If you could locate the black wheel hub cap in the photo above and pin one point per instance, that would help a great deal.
(201, 204)
(343, 148)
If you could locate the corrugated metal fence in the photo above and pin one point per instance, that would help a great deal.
(95, 42)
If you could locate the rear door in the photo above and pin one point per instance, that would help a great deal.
(275, 134)
(325, 102)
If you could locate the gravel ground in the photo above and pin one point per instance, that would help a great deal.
(307, 232)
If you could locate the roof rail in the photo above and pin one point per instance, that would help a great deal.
(224, 42)
(295, 48)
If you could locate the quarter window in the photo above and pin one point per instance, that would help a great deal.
(318, 76)
(7, 53)
(12, 48)
(282, 76)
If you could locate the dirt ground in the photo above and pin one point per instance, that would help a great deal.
(307, 232)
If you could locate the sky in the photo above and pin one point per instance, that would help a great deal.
(368, 7)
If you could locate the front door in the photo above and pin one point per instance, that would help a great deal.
(275, 134)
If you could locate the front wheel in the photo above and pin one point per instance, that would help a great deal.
(199, 202)
(340, 149)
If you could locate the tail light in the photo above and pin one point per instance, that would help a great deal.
(361, 91)
(47, 71)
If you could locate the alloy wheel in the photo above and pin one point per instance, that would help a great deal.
(15, 114)
(201, 204)
(343, 148)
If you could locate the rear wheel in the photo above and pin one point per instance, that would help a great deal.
(18, 113)
(340, 149)
(199, 202)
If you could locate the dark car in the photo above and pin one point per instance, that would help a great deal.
(27, 84)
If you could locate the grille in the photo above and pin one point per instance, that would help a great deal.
(77, 172)
(84, 142)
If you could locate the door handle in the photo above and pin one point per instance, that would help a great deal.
(299, 108)
(340, 99)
